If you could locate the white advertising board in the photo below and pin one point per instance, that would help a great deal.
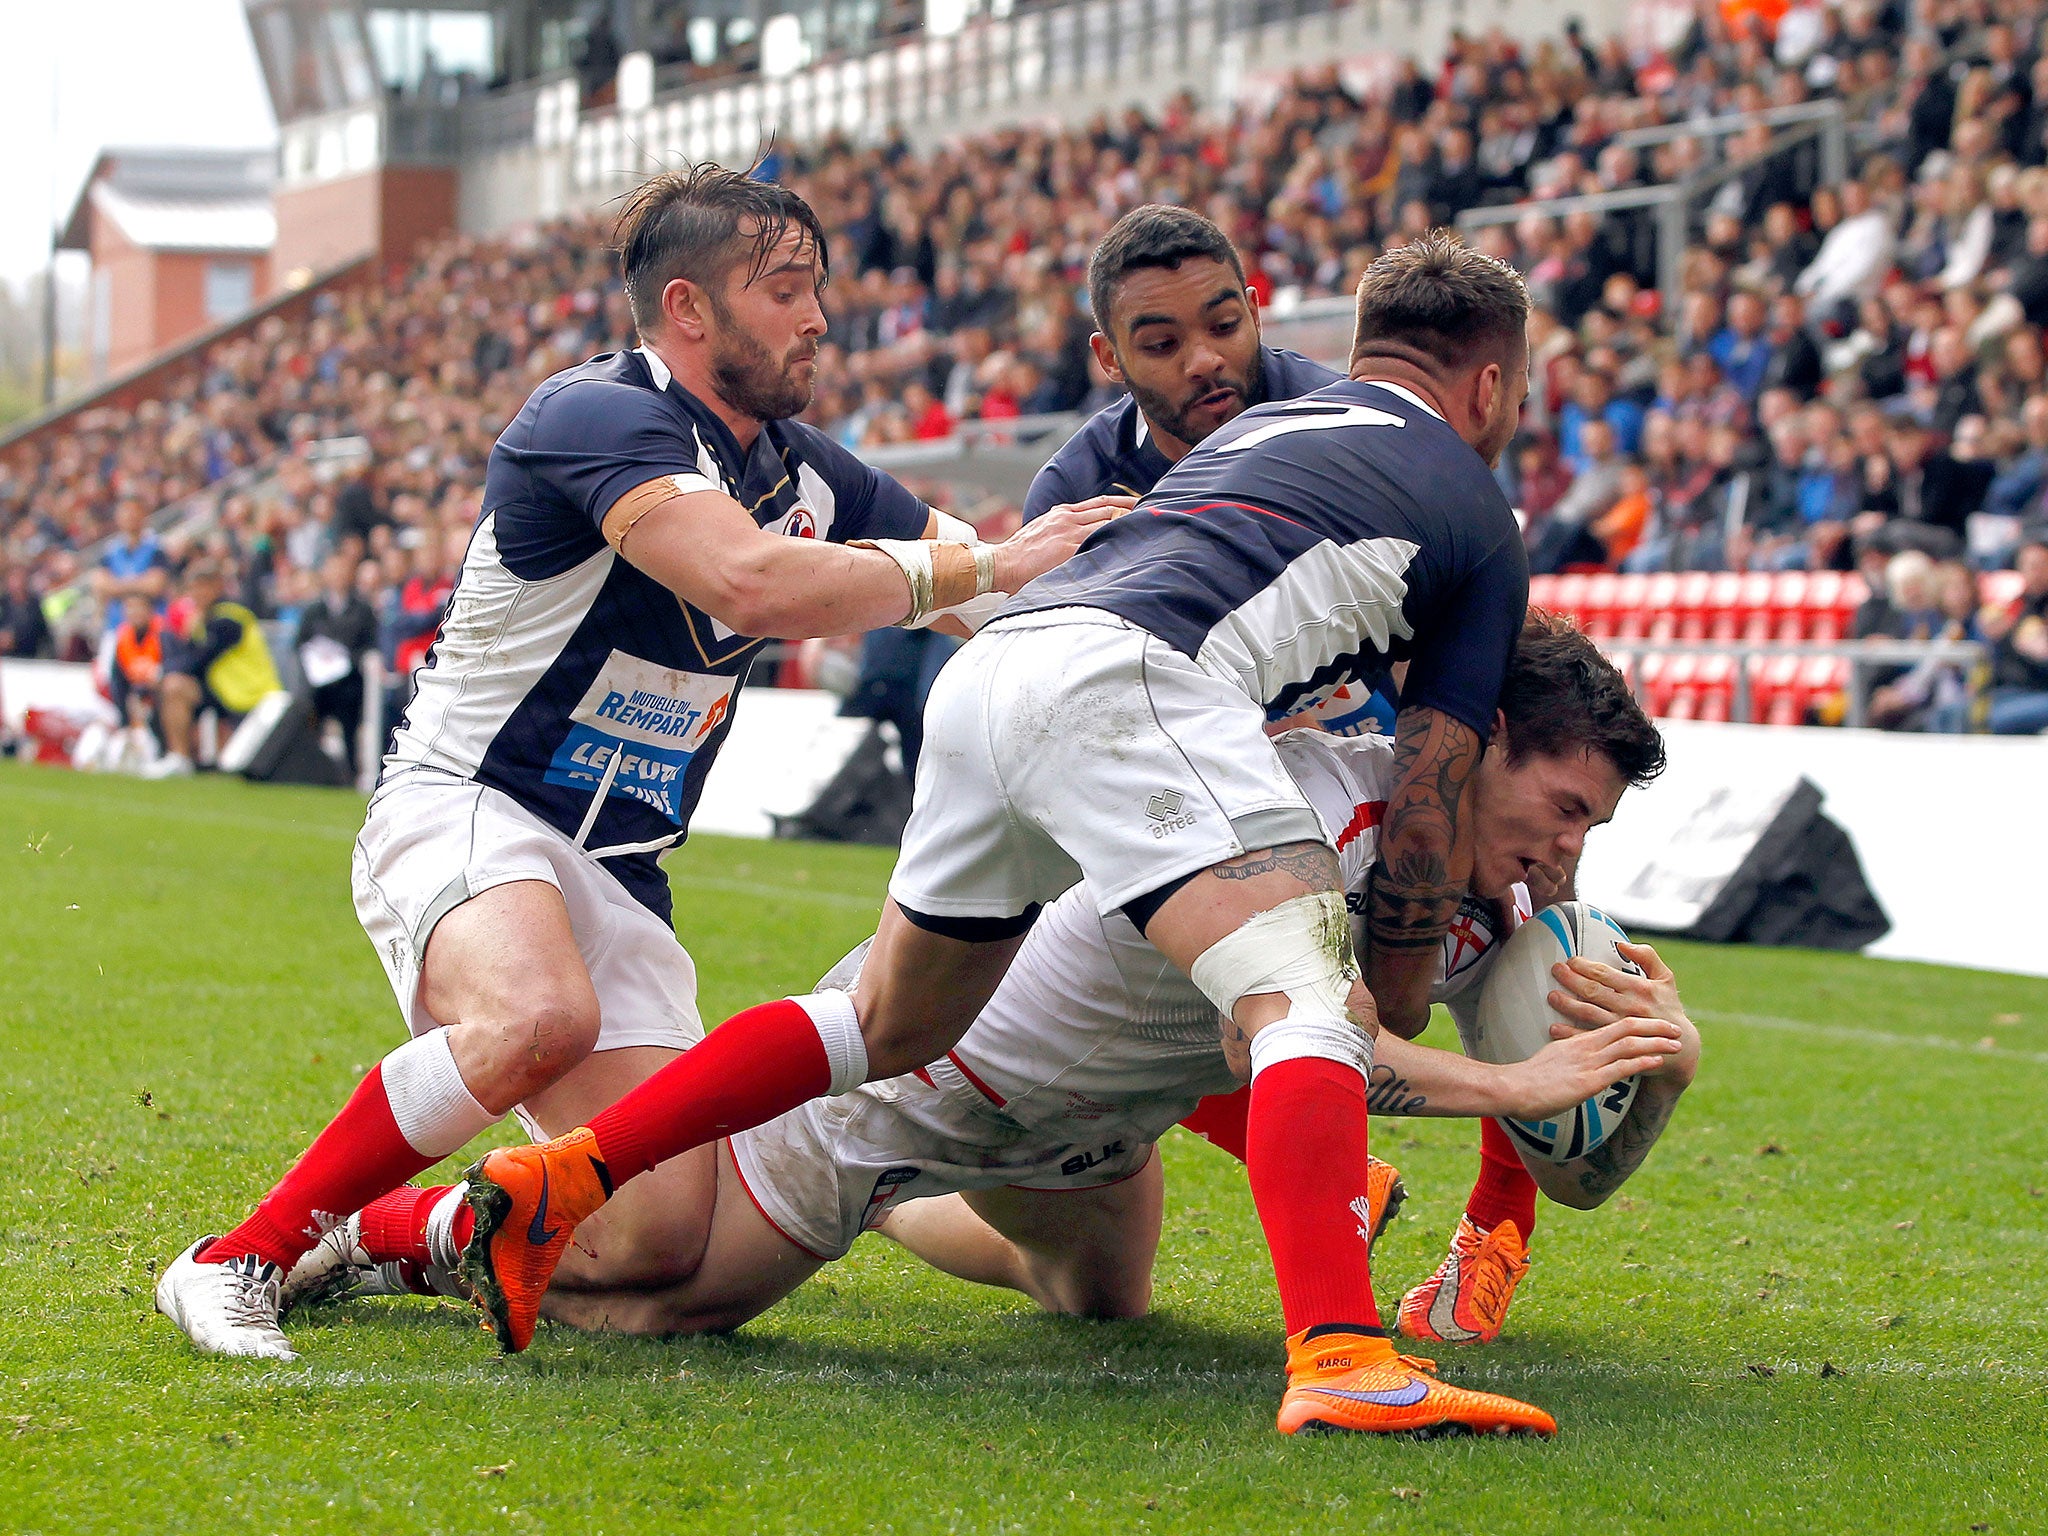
(1952, 830)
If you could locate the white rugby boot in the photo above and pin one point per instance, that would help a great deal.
(225, 1309)
(340, 1268)
(333, 1269)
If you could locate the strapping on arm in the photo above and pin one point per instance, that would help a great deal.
(629, 509)
(941, 575)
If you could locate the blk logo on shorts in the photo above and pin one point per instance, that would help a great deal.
(1165, 810)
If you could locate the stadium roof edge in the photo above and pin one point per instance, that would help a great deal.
(192, 173)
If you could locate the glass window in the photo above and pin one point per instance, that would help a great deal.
(230, 289)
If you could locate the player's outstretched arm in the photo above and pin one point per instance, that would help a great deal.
(703, 546)
(1593, 995)
(1425, 864)
(1412, 1079)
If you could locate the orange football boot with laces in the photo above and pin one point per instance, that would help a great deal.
(527, 1202)
(1384, 1196)
(1466, 1300)
(1339, 1381)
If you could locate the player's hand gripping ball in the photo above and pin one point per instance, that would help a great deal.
(1515, 1018)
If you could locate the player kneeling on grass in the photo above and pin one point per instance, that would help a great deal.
(1040, 1125)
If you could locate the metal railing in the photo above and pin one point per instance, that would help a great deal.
(1037, 59)
(1671, 203)
(1865, 658)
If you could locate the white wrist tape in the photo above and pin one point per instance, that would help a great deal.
(435, 1111)
(846, 1053)
(914, 558)
(931, 589)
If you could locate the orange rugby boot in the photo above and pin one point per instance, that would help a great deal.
(1384, 1195)
(1466, 1300)
(1355, 1383)
(527, 1201)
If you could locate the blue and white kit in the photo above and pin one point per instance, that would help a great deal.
(1109, 724)
(1114, 454)
(569, 712)
(1091, 1048)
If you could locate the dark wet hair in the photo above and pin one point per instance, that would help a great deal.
(699, 222)
(1156, 235)
(1562, 697)
(1437, 301)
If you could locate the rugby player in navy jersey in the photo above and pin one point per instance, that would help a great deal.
(649, 519)
(1179, 328)
(1110, 725)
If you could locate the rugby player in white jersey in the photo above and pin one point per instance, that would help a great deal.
(650, 519)
(1025, 1156)
(1110, 725)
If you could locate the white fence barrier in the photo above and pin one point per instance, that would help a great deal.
(1951, 829)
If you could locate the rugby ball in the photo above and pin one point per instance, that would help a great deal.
(1514, 1019)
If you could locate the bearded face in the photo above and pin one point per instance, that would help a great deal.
(755, 377)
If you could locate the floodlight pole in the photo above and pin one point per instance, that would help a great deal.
(50, 271)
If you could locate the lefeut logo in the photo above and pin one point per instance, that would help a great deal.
(636, 729)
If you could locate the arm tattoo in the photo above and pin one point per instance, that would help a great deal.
(1609, 1164)
(1388, 1093)
(1313, 864)
(1415, 890)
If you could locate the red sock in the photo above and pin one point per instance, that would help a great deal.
(1305, 1151)
(1504, 1191)
(395, 1226)
(362, 1154)
(1220, 1120)
(753, 1067)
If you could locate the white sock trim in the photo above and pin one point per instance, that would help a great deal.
(441, 1247)
(435, 1111)
(846, 1053)
(1298, 1035)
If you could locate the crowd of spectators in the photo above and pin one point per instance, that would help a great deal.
(1852, 370)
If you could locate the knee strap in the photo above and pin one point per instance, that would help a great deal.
(1301, 949)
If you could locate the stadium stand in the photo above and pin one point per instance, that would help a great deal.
(1791, 273)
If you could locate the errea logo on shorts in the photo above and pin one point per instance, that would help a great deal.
(1168, 814)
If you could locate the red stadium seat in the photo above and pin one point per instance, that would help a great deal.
(1653, 690)
(1823, 593)
(1716, 676)
(1999, 589)
(1660, 601)
(1694, 588)
(1774, 696)
(1788, 605)
(1681, 677)
(1631, 610)
(1571, 596)
(1599, 618)
(1543, 593)
(1821, 679)
(1848, 600)
(1754, 606)
(1724, 605)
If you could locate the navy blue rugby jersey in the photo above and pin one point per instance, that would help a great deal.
(569, 679)
(1309, 545)
(1114, 455)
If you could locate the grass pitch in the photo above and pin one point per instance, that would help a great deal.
(1820, 1307)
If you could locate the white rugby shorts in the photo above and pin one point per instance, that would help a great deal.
(833, 1168)
(434, 840)
(1073, 744)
